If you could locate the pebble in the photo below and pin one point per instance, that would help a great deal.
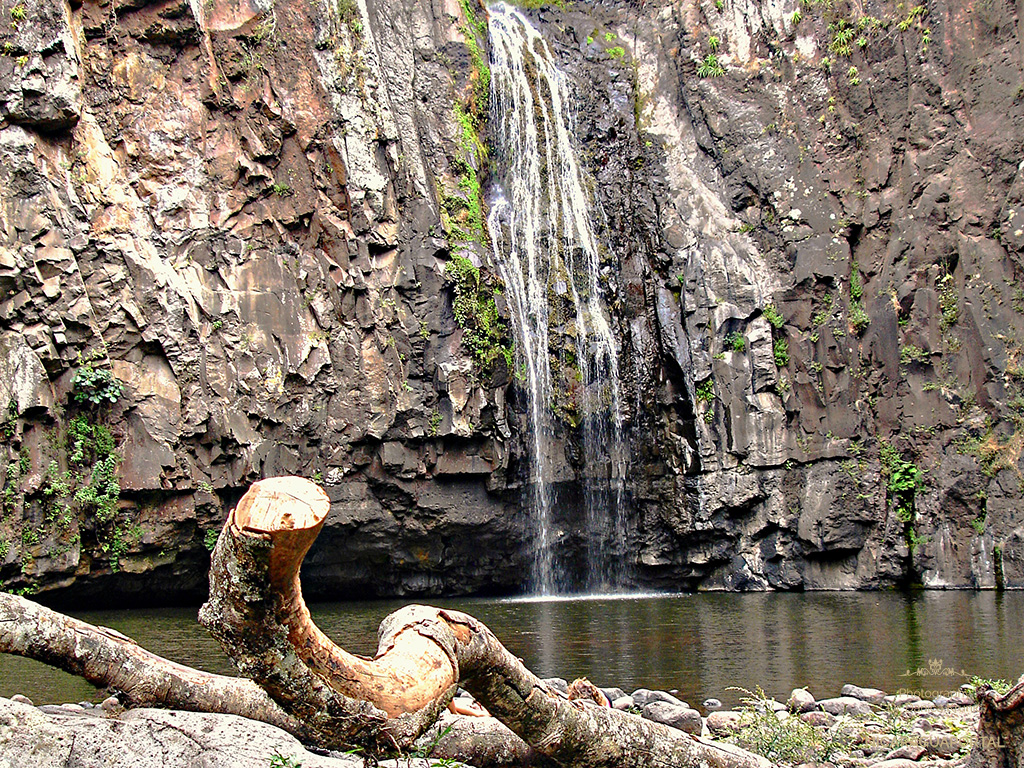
(111, 704)
(723, 723)
(675, 715)
(845, 705)
(918, 705)
(73, 707)
(644, 696)
(801, 700)
(623, 702)
(902, 699)
(818, 718)
(870, 695)
(712, 705)
(909, 752)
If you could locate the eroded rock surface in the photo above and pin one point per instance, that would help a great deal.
(235, 217)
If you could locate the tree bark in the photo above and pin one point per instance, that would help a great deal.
(257, 613)
(1000, 729)
(109, 659)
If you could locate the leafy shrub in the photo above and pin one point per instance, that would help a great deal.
(92, 385)
(781, 352)
(859, 319)
(773, 316)
(706, 391)
(710, 67)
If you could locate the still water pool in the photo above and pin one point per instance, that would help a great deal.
(702, 645)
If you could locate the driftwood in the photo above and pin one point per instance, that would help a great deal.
(328, 697)
(1000, 729)
(257, 613)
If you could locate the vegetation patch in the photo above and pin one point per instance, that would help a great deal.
(476, 312)
(787, 740)
(710, 67)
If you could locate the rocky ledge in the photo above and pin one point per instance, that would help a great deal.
(859, 728)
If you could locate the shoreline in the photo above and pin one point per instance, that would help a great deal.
(858, 728)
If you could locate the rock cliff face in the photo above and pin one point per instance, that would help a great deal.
(225, 231)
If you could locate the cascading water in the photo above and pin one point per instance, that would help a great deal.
(546, 250)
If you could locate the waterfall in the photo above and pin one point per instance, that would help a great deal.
(548, 255)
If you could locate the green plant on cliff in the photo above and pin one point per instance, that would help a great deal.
(859, 319)
(909, 353)
(348, 14)
(617, 52)
(842, 35)
(462, 213)
(781, 352)
(903, 478)
(473, 33)
(856, 286)
(18, 15)
(476, 312)
(537, 4)
(92, 453)
(710, 67)
(736, 341)
(949, 303)
(706, 391)
(773, 316)
(95, 385)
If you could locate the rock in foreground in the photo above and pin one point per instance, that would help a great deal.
(150, 738)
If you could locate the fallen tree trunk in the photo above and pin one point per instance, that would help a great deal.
(142, 679)
(257, 613)
(1000, 729)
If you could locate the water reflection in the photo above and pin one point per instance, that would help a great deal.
(701, 645)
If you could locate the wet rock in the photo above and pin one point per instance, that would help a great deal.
(676, 715)
(712, 704)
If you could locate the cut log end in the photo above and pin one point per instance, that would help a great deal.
(281, 504)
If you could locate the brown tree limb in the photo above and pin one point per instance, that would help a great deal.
(109, 659)
(1000, 729)
(257, 613)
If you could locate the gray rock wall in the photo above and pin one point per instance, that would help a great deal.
(243, 211)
